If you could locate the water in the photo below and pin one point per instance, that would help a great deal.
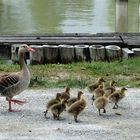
(63, 16)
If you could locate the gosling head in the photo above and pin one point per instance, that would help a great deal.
(64, 101)
(112, 83)
(101, 80)
(58, 95)
(123, 89)
(100, 86)
(67, 89)
(80, 93)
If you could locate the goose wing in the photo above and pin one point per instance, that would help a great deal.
(8, 80)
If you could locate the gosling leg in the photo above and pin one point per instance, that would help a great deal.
(99, 112)
(115, 106)
(104, 110)
(92, 102)
(92, 99)
(58, 118)
(54, 116)
(45, 114)
(75, 118)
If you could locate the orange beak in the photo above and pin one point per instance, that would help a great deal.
(30, 49)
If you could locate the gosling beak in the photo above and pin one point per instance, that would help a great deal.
(125, 88)
(103, 80)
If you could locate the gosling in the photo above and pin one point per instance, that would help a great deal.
(117, 96)
(52, 102)
(92, 87)
(74, 99)
(111, 89)
(98, 92)
(66, 94)
(76, 108)
(100, 103)
(57, 109)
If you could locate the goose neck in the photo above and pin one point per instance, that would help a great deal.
(22, 61)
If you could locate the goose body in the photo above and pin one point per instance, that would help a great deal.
(14, 83)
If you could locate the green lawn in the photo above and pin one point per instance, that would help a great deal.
(126, 73)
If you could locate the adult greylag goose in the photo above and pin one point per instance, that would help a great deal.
(14, 83)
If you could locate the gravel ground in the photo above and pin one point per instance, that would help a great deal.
(30, 123)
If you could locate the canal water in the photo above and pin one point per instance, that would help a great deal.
(63, 16)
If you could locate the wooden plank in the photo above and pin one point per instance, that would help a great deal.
(58, 42)
(136, 51)
(133, 40)
(130, 39)
(59, 38)
(127, 53)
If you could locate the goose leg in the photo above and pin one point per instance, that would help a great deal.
(19, 102)
(15, 101)
(10, 107)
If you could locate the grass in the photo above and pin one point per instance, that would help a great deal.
(126, 73)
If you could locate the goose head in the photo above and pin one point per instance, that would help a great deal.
(25, 48)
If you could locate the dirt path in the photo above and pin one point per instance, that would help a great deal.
(30, 123)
